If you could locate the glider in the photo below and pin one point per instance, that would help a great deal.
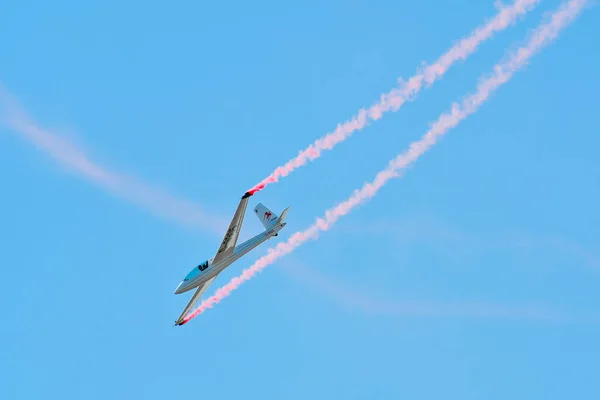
(204, 274)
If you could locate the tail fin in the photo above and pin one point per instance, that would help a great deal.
(266, 216)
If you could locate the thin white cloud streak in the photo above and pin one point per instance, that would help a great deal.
(394, 99)
(502, 73)
(156, 201)
(446, 309)
(424, 229)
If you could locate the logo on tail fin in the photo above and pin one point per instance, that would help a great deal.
(268, 215)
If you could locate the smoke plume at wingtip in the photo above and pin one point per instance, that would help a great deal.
(393, 100)
(501, 74)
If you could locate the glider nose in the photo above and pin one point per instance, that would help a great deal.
(179, 288)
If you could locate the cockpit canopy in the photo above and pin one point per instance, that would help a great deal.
(196, 271)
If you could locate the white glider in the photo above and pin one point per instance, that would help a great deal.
(204, 274)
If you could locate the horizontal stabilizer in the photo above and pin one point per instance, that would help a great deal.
(283, 215)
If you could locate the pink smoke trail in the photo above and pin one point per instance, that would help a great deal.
(157, 201)
(502, 73)
(393, 100)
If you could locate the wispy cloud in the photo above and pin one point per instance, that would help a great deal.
(428, 230)
(502, 73)
(393, 100)
(158, 202)
(410, 308)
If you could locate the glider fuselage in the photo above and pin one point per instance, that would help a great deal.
(208, 269)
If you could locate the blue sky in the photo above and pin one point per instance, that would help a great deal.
(425, 292)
